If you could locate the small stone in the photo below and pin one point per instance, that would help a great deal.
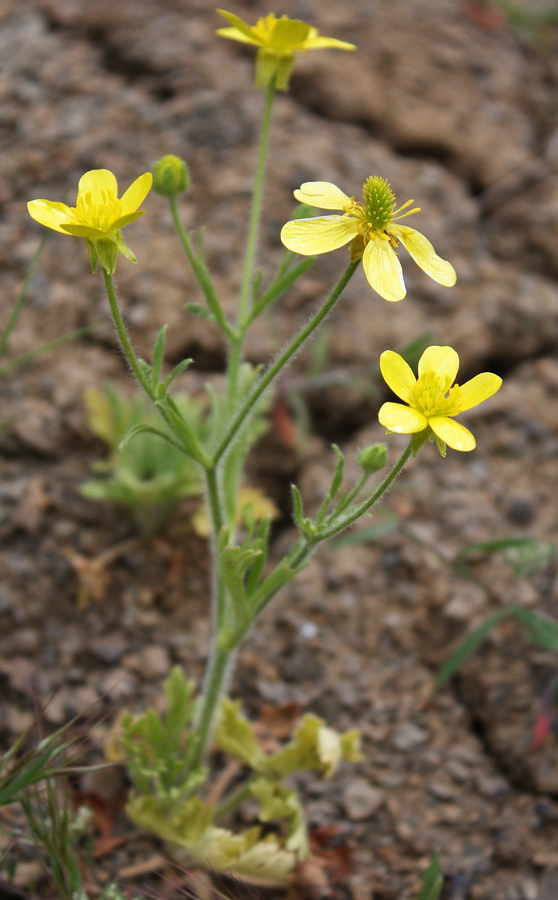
(408, 736)
(155, 663)
(109, 649)
(18, 720)
(492, 785)
(441, 790)
(521, 510)
(361, 800)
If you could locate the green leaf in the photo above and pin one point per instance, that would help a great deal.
(492, 546)
(280, 802)
(432, 881)
(277, 579)
(183, 429)
(469, 645)
(196, 309)
(180, 367)
(234, 563)
(335, 484)
(235, 736)
(158, 356)
(179, 693)
(148, 429)
(315, 746)
(541, 630)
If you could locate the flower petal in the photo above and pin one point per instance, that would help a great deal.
(452, 433)
(234, 34)
(322, 194)
(320, 235)
(317, 43)
(478, 389)
(424, 255)
(86, 231)
(51, 214)
(288, 34)
(101, 184)
(240, 30)
(443, 361)
(397, 374)
(125, 220)
(402, 419)
(383, 269)
(136, 193)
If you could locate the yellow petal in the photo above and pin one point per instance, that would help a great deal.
(100, 184)
(424, 255)
(402, 419)
(320, 235)
(383, 269)
(125, 220)
(322, 194)
(52, 215)
(234, 34)
(478, 389)
(288, 34)
(397, 374)
(318, 43)
(452, 433)
(136, 193)
(240, 30)
(86, 231)
(443, 361)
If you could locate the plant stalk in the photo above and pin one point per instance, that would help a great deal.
(281, 361)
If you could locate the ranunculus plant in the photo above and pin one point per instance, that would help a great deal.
(167, 752)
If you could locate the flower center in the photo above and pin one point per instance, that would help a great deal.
(434, 397)
(379, 202)
(98, 215)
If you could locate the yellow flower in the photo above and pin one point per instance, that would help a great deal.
(277, 41)
(432, 401)
(98, 215)
(371, 226)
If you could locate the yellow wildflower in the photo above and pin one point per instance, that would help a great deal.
(98, 215)
(432, 401)
(372, 228)
(277, 41)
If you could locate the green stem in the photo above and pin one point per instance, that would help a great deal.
(217, 587)
(178, 425)
(125, 342)
(366, 505)
(213, 689)
(282, 361)
(305, 545)
(244, 300)
(200, 271)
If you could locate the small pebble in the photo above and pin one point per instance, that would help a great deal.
(155, 662)
(408, 736)
(361, 800)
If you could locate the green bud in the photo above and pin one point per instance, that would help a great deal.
(372, 458)
(170, 176)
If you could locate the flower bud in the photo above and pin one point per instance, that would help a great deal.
(170, 176)
(372, 458)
